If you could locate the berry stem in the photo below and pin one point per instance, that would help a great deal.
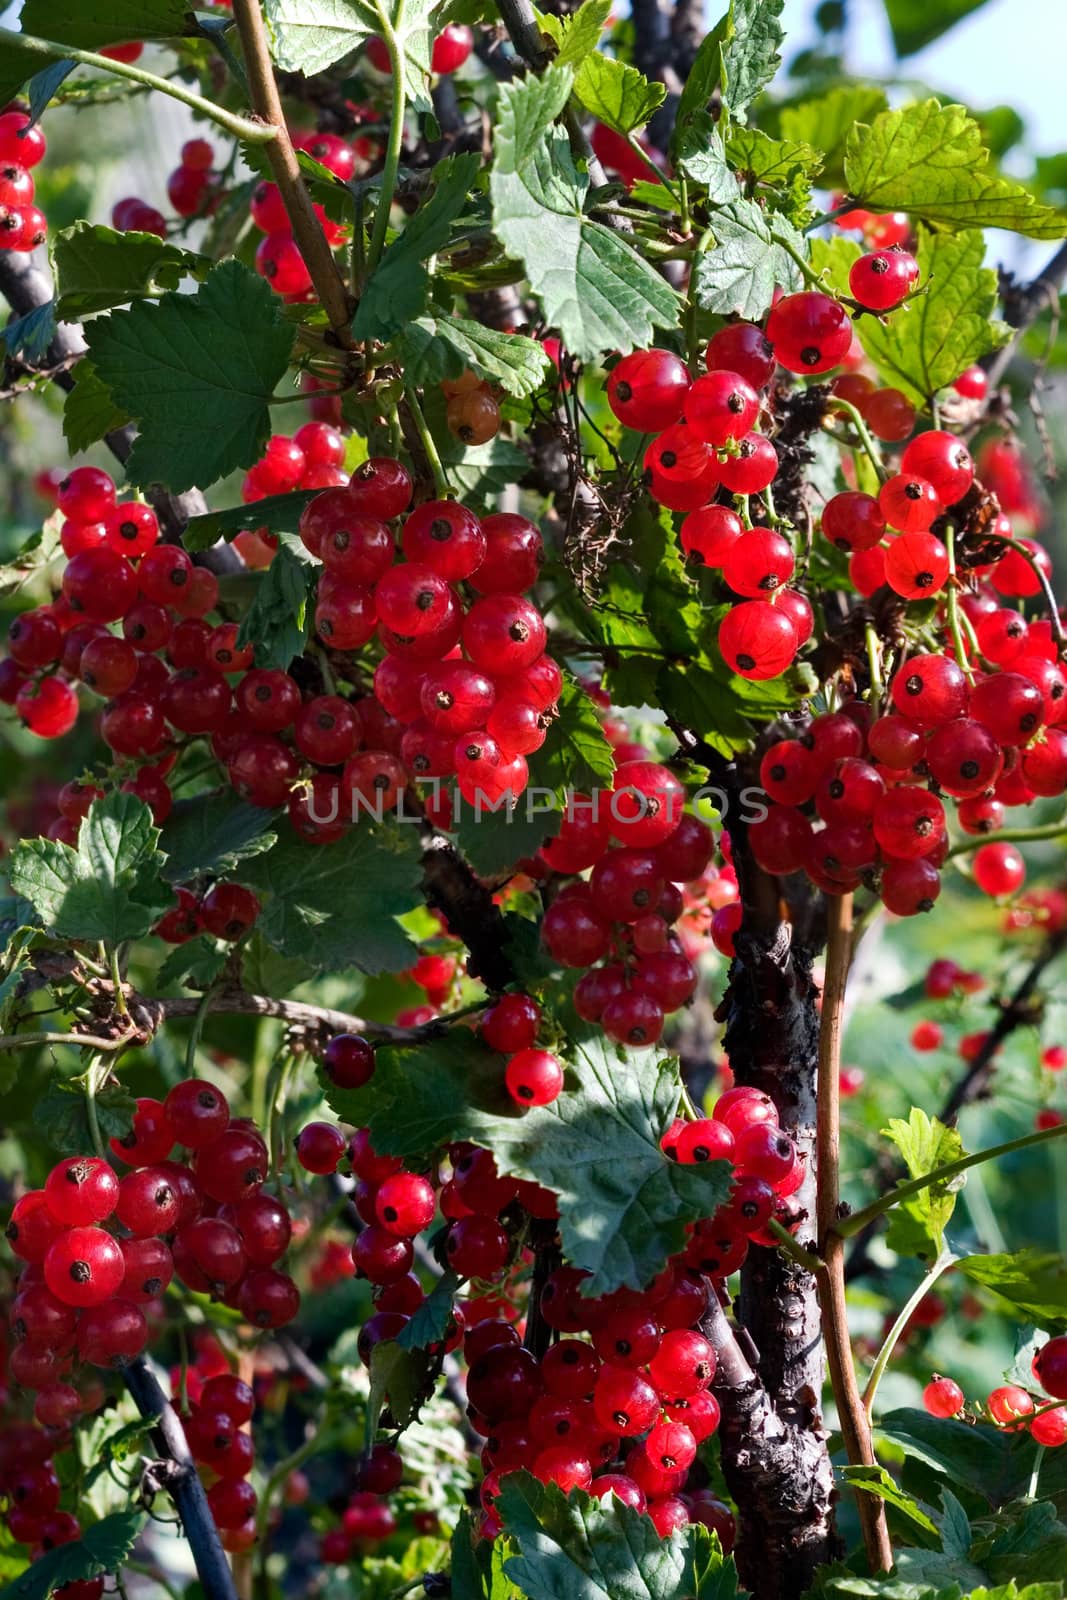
(854, 1422)
(871, 449)
(240, 127)
(953, 603)
(394, 145)
(804, 1258)
(859, 1220)
(1047, 830)
(831, 216)
(661, 177)
(806, 271)
(441, 486)
(945, 1260)
(307, 230)
(116, 980)
(874, 664)
(90, 1106)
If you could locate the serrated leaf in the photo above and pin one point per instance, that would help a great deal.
(29, 336)
(197, 962)
(594, 287)
(703, 79)
(832, 260)
(62, 1115)
(917, 1224)
(280, 513)
(43, 85)
(98, 268)
(750, 56)
(576, 753)
(880, 1482)
(211, 833)
(434, 348)
(623, 1205)
(916, 23)
(399, 1376)
(398, 288)
(278, 622)
(1033, 1282)
(88, 24)
(577, 35)
(703, 696)
(102, 1548)
(702, 157)
(956, 1536)
(264, 971)
(494, 840)
(928, 160)
(196, 372)
(429, 1323)
(925, 345)
(311, 36)
(776, 162)
(576, 1547)
(826, 121)
(740, 272)
(109, 887)
(617, 94)
(89, 412)
(336, 905)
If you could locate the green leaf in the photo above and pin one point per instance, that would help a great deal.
(704, 77)
(578, 35)
(310, 36)
(89, 412)
(750, 56)
(397, 291)
(704, 696)
(280, 513)
(928, 160)
(30, 336)
(576, 754)
(87, 24)
(197, 962)
(617, 94)
(593, 285)
(43, 85)
(832, 259)
(398, 1376)
(433, 348)
(776, 162)
(956, 1535)
(623, 1206)
(575, 1547)
(826, 122)
(740, 273)
(264, 971)
(336, 905)
(1034, 1282)
(209, 834)
(702, 157)
(880, 1482)
(917, 23)
(97, 268)
(197, 373)
(974, 1458)
(493, 840)
(110, 887)
(278, 622)
(430, 1322)
(917, 1225)
(102, 1548)
(62, 1115)
(925, 345)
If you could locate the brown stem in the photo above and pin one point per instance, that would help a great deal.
(1023, 306)
(853, 1419)
(307, 230)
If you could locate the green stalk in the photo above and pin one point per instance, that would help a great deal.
(241, 127)
(954, 607)
(426, 439)
(845, 1227)
(90, 1107)
(116, 978)
(871, 449)
(804, 1258)
(945, 1260)
(806, 270)
(1047, 830)
(874, 664)
(391, 164)
(635, 145)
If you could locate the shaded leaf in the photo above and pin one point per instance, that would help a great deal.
(976, 1458)
(336, 905)
(211, 833)
(62, 1115)
(279, 513)
(29, 336)
(278, 622)
(102, 1548)
(1033, 1282)
(98, 268)
(89, 412)
(197, 963)
(880, 1482)
(917, 23)
(429, 1323)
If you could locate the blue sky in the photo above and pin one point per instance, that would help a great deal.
(1007, 52)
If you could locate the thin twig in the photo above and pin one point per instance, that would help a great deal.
(307, 230)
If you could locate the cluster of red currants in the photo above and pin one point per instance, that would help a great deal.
(32, 1488)
(278, 257)
(1013, 1407)
(89, 1292)
(860, 797)
(22, 145)
(464, 680)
